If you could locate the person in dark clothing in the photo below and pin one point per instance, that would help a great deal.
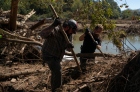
(54, 48)
(89, 46)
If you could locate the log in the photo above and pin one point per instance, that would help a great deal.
(27, 16)
(7, 14)
(18, 24)
(83, 88)
(20, 16)
(89, 55)
(4, 13)
(4, 77)
(38, 24)
(3, 50)
(23, 46)
(21, 25)
(21, 41)
(4, 21)
(16, 36)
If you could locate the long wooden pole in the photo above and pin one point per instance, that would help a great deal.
(65, 35)
(95, 42)
(13, 15)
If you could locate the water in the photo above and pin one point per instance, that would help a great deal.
(107, 46)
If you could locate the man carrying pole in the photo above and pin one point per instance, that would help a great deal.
(54, 47)
(91, 41)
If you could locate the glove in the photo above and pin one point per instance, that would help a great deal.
(56, 22)
(0, 36)
(87, 31)
(70, 45)
(98, 47)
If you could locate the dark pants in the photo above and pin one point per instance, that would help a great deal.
(55, 67)
(83, 63)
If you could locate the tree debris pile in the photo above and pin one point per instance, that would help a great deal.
(133, 29)
(128, 80)
(22, 44)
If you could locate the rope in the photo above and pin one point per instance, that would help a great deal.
(130, 43)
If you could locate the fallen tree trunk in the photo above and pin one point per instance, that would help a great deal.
(16, 36)
(38, 24)
(4, 77)
(27, 16)
(4, 13)
(83, 88)
(89, 55)
(4, 21)
(22, 41)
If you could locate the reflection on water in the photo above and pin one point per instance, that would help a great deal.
(107, 46)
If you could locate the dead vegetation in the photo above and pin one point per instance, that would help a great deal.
(128, 79)
(103, 75)
(35, 77)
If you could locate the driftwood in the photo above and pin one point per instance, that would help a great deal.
(4, 13)
(16, 74)
(37, 25)
(28, 16)
(89, 55)
(83, 88)
(22, 41)
(15, 36)
(21, 25)
(20, 16)
(4, 21)
(23, 20)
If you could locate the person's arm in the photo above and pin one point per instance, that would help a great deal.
(45, 32)
(69, 45)
(99, 43)
(81, 38)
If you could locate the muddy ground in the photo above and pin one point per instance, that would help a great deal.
(95, 79)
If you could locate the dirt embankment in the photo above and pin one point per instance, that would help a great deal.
(131, 27)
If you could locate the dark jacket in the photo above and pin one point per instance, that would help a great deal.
(88, 45)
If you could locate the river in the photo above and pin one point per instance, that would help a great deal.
(107, 46)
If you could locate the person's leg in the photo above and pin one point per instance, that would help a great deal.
(83, 64)
(55, 67)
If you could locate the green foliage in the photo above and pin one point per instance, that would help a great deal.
(34, 18)
(130, 14)
(5, 4)
(126, 14)
(99, 13)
